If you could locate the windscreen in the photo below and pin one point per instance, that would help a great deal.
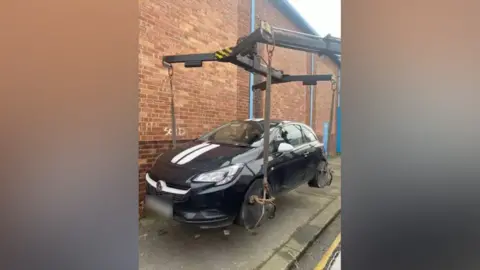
(246, 133)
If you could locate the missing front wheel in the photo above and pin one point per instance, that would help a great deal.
(323, 176)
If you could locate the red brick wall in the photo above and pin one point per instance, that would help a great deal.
(243, 77)
(289, 101)
(217, 93)
(204, 97)
(323, 94)
(323, 100)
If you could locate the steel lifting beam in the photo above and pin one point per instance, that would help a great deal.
(306, 79)
(243, 54)
(246, 44)
(305, 42)
(289, 39)
(254, 65)
(250, 64)
(190, 60)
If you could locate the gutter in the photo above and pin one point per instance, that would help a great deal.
(291, 12)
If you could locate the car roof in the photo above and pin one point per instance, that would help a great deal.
(273, 122)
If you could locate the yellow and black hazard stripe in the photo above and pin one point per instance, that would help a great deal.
(266, 27)
(223, 53)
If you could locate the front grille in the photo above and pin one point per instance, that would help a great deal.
(179, 198)
(173, 179)
(174, 197)
(177, 186)
(170, 181)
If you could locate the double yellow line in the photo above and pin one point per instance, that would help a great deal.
(328, 254)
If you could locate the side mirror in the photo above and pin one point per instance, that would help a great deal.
(284, 147)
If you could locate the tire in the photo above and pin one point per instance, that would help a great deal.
(239, 220)
(250, 213)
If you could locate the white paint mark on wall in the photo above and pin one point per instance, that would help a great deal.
(180, 131)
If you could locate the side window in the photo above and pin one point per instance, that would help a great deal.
(309, 136)
(275, 139)
(292, 134)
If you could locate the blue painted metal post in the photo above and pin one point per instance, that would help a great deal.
(325, 137)
(312, 68)
(252, 28)
(339, 115)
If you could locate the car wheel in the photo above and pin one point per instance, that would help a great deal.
(250, 213)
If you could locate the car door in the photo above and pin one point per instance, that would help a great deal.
(289, 168)
(314, 153)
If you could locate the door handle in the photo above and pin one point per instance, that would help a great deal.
(306, 154)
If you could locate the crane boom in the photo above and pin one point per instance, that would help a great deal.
(244, 55)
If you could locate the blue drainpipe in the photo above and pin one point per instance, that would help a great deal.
(339, 113)
(250, 83)
(312, 69)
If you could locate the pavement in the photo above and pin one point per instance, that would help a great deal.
(301, 216)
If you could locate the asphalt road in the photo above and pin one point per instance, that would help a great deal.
(314, 254)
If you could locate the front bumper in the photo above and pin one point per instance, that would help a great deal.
(199, 207)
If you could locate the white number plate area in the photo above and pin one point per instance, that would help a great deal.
(160, 206)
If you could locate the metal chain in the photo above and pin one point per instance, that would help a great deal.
(267, 128)
(333, 84)
(270, 56)
(270, 51)
(330, 121)
(266, 188)
(172, 108)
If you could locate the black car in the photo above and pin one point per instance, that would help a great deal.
(204, 182)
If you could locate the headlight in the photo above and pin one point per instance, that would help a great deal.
(221, 176)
